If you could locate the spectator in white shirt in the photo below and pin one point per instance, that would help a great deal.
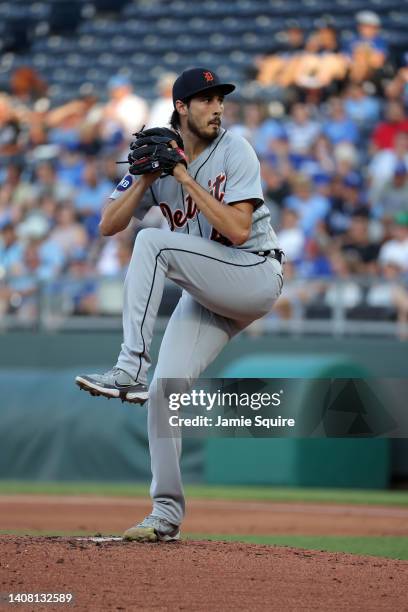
(162, 108)
(291, 237)
(124, 111)
(395, 251)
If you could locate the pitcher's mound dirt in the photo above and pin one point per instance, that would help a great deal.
(198, 576)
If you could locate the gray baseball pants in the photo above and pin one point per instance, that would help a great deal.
(225, 289)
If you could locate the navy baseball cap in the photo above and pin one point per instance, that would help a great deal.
(195, 81)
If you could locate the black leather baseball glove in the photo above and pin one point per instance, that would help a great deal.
(151, 151)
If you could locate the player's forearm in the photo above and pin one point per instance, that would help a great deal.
(227, 220)
(117, 214)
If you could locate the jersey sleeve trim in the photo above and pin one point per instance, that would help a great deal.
(255, 200)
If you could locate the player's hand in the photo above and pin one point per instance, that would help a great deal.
(148, 179)
(180, 171)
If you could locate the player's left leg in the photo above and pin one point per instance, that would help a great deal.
(193, 338)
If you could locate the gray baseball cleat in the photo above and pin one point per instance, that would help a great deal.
(115, 383)
(153, 529)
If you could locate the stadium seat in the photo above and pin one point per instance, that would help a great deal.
(76, 60)
(99, 27)
(169, 27)
(55, 44)
(146, 11)
(64, 16)
(345, 21)
(396, 20)
(240, 59)
(142, 60)
(384, 5)
(110, 6)
(208, 58)
(110, 60)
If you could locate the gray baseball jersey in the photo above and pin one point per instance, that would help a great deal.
(229, 169)
(225, 288)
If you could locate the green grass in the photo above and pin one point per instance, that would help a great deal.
(392, 547)
(274, 494)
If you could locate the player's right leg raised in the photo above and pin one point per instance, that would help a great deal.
(230, 282)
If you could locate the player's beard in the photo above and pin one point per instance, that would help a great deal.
(194, 129)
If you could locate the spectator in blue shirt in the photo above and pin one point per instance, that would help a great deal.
(269, 131)
(367, 50)
(79, 287)
(91, 196)
(364, 110)
(261, 131)
(310, 206)
(70, 167)
(40, 262)
(339, 127)
(94, 190)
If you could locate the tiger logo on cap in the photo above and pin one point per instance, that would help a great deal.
(208, 76)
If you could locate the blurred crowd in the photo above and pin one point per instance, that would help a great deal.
(58, 166)
(334, 159)
(324, 60)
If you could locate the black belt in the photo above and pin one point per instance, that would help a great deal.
(275, 253)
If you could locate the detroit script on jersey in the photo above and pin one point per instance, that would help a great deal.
(229, 169)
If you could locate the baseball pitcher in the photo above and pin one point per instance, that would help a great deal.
(221, 250)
